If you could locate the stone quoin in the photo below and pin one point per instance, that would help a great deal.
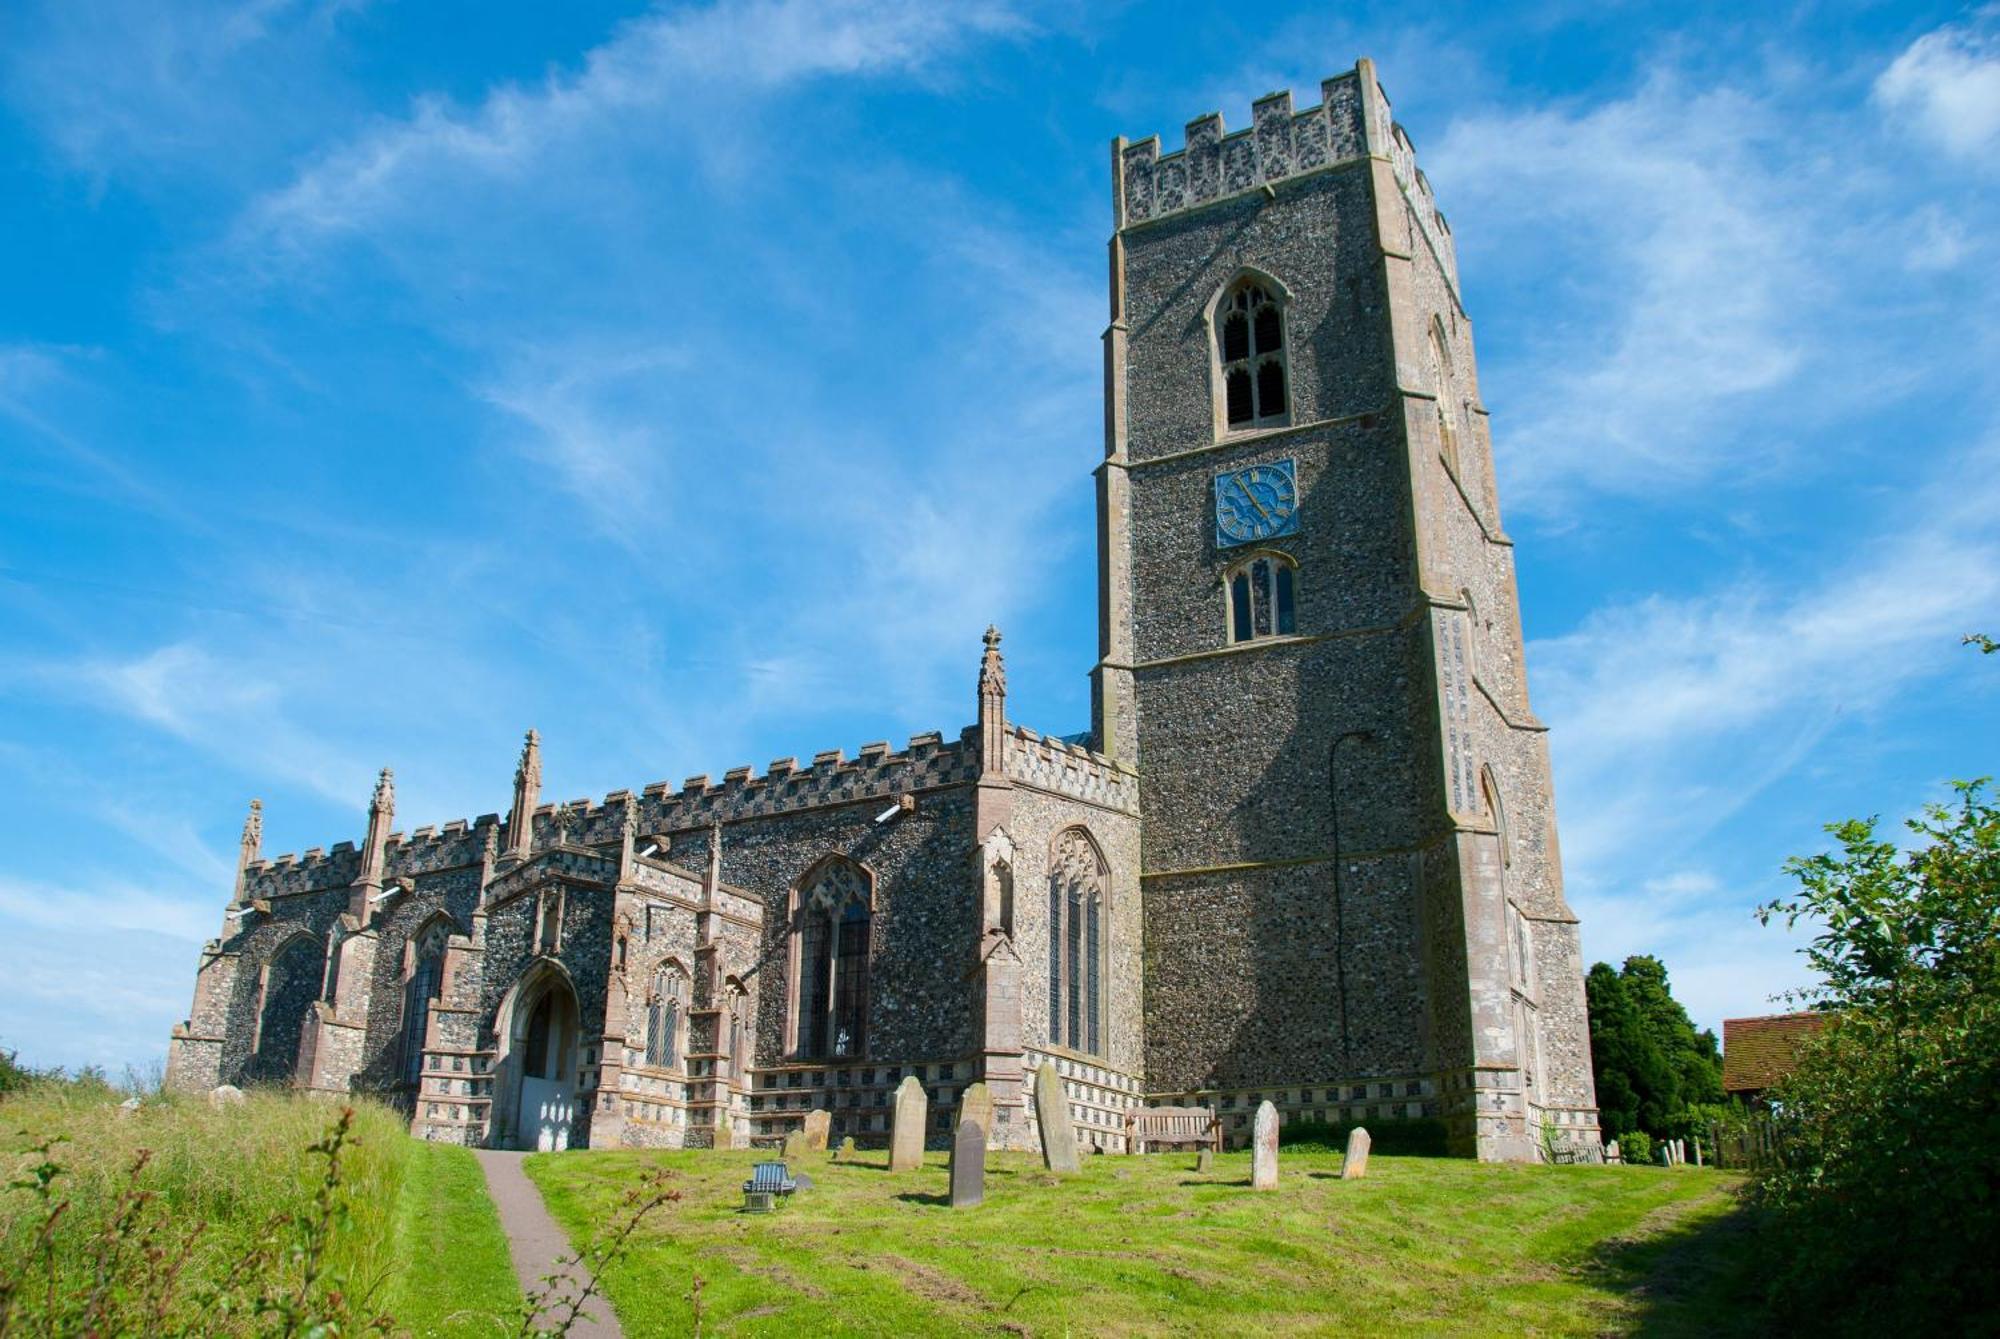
(1305, 854)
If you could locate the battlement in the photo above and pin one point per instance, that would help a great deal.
(1351, 122)
(1049, 763)
(877, 772)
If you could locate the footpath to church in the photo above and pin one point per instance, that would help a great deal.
(535, 1244)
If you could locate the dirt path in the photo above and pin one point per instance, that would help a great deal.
(535, 1242)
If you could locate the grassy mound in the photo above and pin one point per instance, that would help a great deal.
(1149, 1246)
(218, 1208)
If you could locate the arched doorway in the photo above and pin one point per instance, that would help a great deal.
(538, 1061)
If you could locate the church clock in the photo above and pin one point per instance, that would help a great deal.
(1257, 503)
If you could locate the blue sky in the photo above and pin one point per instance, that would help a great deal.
(696, 382)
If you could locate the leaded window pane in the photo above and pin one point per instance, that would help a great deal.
(1055, 959)
(1074, 944)
(850, 982)
(1239, 608)
(815, 965)
(1287, 619)
(1095, 1001)
(1260, 597)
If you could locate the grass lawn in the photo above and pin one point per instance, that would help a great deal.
(1148, 1246)
(455, 1277)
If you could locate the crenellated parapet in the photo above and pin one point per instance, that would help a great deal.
(1351, 122)
(877, 773)
(1052, 764)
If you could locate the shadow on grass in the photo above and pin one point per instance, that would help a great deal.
(912, 1197)
(1692, 1279)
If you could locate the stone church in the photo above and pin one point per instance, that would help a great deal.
(1306, 851)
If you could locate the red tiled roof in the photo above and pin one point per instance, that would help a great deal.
(1757, 1052)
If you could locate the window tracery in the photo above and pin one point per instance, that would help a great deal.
(665, 1010)
(1263, 597)
(1250, 335)
(423, 982)
(832, 936)
(1077, 928)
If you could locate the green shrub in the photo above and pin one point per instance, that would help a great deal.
(1419, 1138)
(1635, 1146)
(1880, 1193)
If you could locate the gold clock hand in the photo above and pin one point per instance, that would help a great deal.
(1252, 498)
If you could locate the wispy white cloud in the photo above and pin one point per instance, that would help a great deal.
(679, 62)
(1674, 713)
(1945, 88)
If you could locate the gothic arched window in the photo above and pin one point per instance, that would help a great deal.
(664, 1012)
(1263, 597)
(423, 981)
(1250, 356)
(1447, 397)
(738, 1048)
(290, 984)
(831, 938)
(1077, 930)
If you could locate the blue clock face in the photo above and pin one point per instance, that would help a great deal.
(1256, 503)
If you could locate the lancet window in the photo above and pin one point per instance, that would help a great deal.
(666, 1008)
(1250, 337)
(423, 982)
(1263, 597)
(831, 937)
(1077, 930)
(1448, 407)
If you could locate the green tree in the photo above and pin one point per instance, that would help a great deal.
(1885, 1194)
(1651, 1063)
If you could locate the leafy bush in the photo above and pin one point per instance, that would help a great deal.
(1419, 1138)
(1883, 1189)
(1635, 1147)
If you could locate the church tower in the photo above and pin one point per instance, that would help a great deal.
(1310, 647)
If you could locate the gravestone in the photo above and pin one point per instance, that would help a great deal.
(795, 1146)
(1204, 1161)
(1697, 1152)
(847, 1148)
(1264, 1148)
(1052, 1118)
(975, 1104)
(968, 1165)
(906, 1141)
(1611, 1152)
(1355, 1165)
(818, 1124)
(227, 1095)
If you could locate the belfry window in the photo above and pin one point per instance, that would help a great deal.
(664, 1012)
(1263, 597)
(1251, 331)
(832, 937)
(1077, 885)
(424, 983)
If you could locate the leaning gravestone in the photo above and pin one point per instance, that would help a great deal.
(968, 1165)
(1052, 1118)
(795, 1146)
(906, 1141)
(818, 1124)
(1264, 1148)
(129, 1107)
(227, 1095)
(975, 1104)
(1355, 1165)
(1204, 1161)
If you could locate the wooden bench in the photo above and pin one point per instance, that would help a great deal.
(1147, 1128)
(768, 1181)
